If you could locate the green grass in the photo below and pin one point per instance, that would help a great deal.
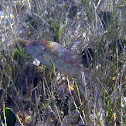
(37, 94)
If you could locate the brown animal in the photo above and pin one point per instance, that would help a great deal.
(49, 52)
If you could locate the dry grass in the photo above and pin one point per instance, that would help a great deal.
(42, 96)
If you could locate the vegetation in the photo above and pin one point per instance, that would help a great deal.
(42, 96)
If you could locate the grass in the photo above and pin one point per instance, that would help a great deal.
(42, 96)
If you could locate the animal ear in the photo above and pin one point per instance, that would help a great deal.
(87, 57)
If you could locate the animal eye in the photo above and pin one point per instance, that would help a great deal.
(34, 43)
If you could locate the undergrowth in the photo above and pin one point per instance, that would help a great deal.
(42, 96)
